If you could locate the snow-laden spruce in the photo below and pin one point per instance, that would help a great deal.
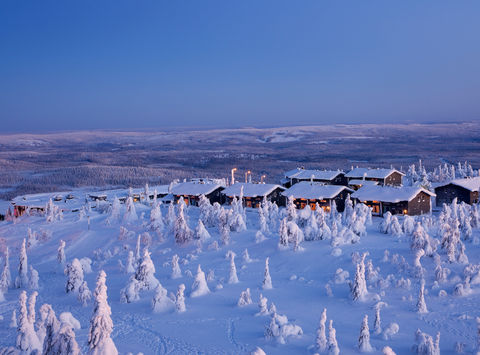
(101, 324)
(359, 287)
(84, 295)
(333, 348)
(180, 299)
(245, 298)
(27, 339)
(200, 286)
(6, 278)
(267, 279)
(61, 253)
(364, 337)
(161, 302)
(232, 278)
(74, 273)
(176, 272)
(130, 215)
(181, 231)
(321, 339)
(22, 279)
(421, 305)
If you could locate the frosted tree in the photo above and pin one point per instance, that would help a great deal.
(47, 326)
(130, 215)
(199, 287)
(246, 256)
(267, 280)
(101, 324)
(205, 211)
(348, 211)
(114, 211)
(33, 279)
(478, 335)
(387, 219)
(425, 345)
(359, 287)
(182, 233)
(13, 319)
(74, 273)
(156, 218)
(421, 305)
(84, 294)
(138, 257)
(131, 292)
(130, 265)
(176, 272)
(64, 342)
(408, 225)
(333, 348)
(263, 222)
(5, 278)
(161, 302)
(245, 298)
(145, 273)
(22, 278)
(283, 235)
(364, 338)
(378, 320)
(263, 305)
(237, 223)
(291, 210)
(180, 299)
(61, 253)
(232, 279)
(321, 339)
(27, 340)
(225, 234)
(394, 227)
(201, 232)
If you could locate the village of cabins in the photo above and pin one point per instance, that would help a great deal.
(379, 188)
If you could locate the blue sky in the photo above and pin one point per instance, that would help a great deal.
(153, 64)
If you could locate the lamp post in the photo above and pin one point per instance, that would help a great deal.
(246, 175)
(263, 177)
(233, 175)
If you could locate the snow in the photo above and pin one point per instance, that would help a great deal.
(302, 174)
(314, 191)
(362, 182)
(371, 173)
(388, 193)
(250, 190)
(214, 323)
(470, 184)
(190, 188)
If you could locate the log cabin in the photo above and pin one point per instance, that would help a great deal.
(312, 193)
(383, 177)
(191, 191)
(253, 194)
(464, 190)
(397, 200)
(327, 177)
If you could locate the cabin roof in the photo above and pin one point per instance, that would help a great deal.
(470, 184)
(371, 173)
(389, 193)
(362, 182)
(251, 190)
(194, 189)
(314, 191)
(304, 174)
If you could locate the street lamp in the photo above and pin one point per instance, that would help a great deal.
(233, 175)
(246, 175)
(263, 177)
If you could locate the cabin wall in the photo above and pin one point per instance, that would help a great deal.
(446, 194)
(394, 179)
(420, 204)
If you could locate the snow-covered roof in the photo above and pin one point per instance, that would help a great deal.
(40, 200)
(371, 173)
(470, 184)
(314, 191)
(251, 190)
(388, 193)
(362, 182)
(194, 189)
(300, 173)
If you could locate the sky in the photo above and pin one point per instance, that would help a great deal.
(152, 64)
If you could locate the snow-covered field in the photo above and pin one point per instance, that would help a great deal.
(305, 281)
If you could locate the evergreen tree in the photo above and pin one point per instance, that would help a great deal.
(84, 294)
(364, 338)
(199, 287)
(22, 278)
(332, 340)
(61, 253)
(176, 272)
(267, 280)
(27, 340)
(321, 340)
(245, 298)
(180, 299)
(421, 305)
(161, 302)
(232, 279)
(74, 273)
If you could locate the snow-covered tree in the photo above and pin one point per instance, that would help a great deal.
(22, 278)
(364, 338)
(408, 225)
(267, 280)
(232, 279)
(161, 302)
(74, 273)
(47, 326)
(145, 273)
(425, 345)
(64, 342)
(13, 319)
(182, 233)
(33, 279)
(359, 287)
(394, 228)
(156, 218)
(321, 339)
(180, 299)
(130, 215)
(225, 234)
(61, 253)
(5, 278)
(283, 235)
(245, 298)
(291, 210)
(263, 305)
(387, 219)
(246, 256)
(201, 232)
(333, 348)
(199, 287)
(101, 324)
(130, 265)
(27, 340)
(378, 320)
(176, 272)
(84, 294)
(421, 305)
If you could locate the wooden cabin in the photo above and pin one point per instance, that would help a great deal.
(191, 191)
(311, 193)
(253, 194)
(464, 190)
(384, 177)
(397, 200)
(327, 177)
